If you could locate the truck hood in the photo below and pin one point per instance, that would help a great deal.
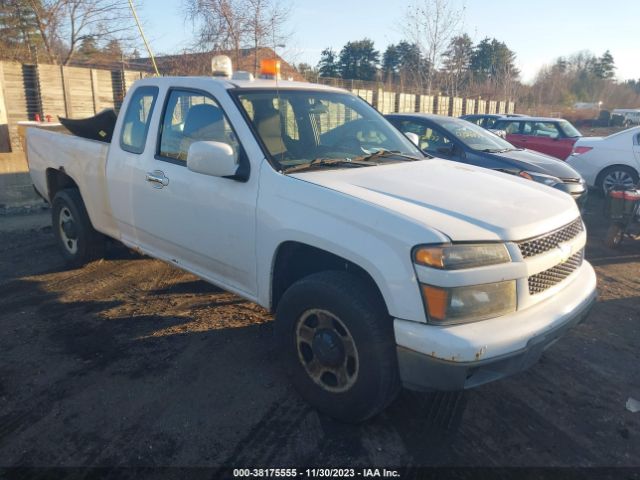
(464, 202)
(537, 162)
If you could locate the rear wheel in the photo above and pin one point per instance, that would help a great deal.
(617, 176)
(338, 345)
(77, 240)
(614, 235)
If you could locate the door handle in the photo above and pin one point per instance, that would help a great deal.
(157, 178)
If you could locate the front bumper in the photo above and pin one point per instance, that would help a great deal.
(465, 356)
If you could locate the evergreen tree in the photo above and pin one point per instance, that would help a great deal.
(359, 60)
(88, 48)
(604, 66)
(20, 39)
(328, 65)
(457, 62)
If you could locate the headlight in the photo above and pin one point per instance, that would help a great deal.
(456, 257)
(447, 306)
(541, 178)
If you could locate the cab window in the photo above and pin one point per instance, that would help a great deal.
(509, 127)
(545, 129)
(137, 118)
(490, 122)
(192, 117)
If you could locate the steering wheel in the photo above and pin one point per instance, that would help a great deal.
(350, 141)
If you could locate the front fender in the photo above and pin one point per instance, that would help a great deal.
(376, 240)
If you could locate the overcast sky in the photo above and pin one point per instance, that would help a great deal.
(537, 30)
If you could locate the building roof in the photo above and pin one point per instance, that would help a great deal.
(246, 59)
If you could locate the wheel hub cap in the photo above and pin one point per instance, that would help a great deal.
(328, 348)
(69, 228)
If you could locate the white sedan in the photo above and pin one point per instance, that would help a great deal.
(610, 161)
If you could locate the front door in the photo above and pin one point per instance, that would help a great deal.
(202, 223)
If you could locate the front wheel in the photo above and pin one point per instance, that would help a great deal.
(77, 240)
(338, 345)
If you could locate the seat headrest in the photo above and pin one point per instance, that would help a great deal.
(199, 117)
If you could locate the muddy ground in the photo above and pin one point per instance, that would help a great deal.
(129, 361)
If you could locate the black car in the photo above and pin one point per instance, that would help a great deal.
(488, 120)
(484, 120)
(461, 141)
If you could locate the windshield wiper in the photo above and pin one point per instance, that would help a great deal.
(386, 154)
(496, 150)
(322, 162)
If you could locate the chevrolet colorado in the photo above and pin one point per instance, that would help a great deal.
(384, 267)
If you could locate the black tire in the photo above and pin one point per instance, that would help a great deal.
(373, 380)
(614, 235)
(616, 170)
(79, 242)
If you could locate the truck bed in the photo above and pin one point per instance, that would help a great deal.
(81, 159)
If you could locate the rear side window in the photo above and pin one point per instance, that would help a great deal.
(509, 127)
(545, 129)
(490, 122)
(136, 120)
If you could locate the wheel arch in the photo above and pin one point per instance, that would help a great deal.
(294, 260)
(601, 173)
(58, 179)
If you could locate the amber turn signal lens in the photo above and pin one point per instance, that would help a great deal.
(437, 300)
(432, 257)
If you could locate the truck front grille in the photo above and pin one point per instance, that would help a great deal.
(541, 281)
(549, 241)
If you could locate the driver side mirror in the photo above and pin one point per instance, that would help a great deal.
(415, 139)
(212, 158)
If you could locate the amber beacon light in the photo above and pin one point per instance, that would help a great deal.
(270, 68)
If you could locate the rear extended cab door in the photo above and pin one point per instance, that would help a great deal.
(201, 223)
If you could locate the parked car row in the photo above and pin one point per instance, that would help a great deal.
(604, 163)
(461, 141)
(608, 162)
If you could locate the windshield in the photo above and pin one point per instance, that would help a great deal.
(300, 126)
(475, 137)
(569, 130)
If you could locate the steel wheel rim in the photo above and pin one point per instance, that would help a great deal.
(334, 369)
(69, 241)
(617, 178)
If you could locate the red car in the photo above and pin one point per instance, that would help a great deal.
(553, 136)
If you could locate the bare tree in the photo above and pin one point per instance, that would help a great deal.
(221, 24)
(236, 24)
(64, 24)
(264, 23)
(431, 24)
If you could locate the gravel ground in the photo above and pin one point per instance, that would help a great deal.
(131, 362)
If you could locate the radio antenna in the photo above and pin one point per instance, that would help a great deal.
(144, 39)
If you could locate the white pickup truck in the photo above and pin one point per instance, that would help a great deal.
(383, 267)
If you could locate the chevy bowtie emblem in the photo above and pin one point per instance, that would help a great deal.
(565, 252)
